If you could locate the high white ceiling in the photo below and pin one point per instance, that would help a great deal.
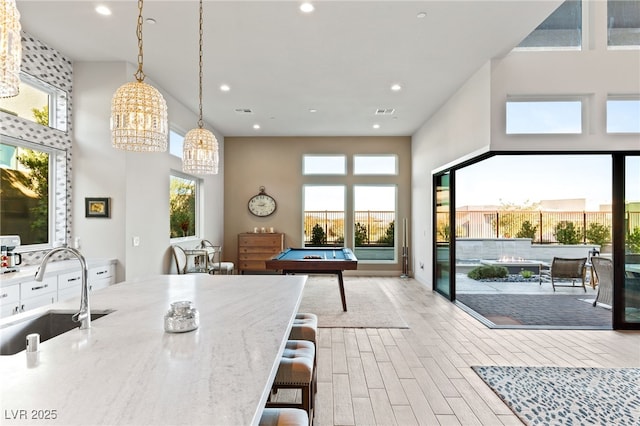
(280, 63)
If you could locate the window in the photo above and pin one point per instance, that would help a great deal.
(544, 117)
(623, 115)
(30, 175)
(561, 30)
(324, 215)
(324, 165)
(623, 24)
(183, 205)
(39, 102)
(375, 165)
(176, 142)
(374, 219)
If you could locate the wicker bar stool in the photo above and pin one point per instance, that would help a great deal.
(296, 371)
(284, 417)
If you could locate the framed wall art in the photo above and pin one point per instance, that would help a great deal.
(96, 207)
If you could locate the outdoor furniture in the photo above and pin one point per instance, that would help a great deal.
(603, 269)
(565, 269)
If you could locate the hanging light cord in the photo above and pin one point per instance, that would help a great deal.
(200, 122)
(139, 74)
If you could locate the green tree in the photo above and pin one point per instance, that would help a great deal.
(567, 233)
(633, 240)
(182, 210)
(388, 237)
(41, 116)
(360, 234)
(527, 230)
(598, 233)
(37, 163)
(318, 236)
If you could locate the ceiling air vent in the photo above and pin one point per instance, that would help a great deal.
(244, 111)
(385, 111)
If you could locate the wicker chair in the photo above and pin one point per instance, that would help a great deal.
(603, 268)
(566, 269)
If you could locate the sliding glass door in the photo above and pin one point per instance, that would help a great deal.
(442, 271)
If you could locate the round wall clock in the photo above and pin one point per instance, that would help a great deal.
(262, 204)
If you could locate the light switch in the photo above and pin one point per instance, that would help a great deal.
(136, 241)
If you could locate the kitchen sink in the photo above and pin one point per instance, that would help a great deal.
(48, 325)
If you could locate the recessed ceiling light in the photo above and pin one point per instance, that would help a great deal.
(256, 126)
(376, 126)
(421, 15)
(313, 110)
(103, 10)
(225, 87)
(306, 7)
(150, 21)
(396, 87)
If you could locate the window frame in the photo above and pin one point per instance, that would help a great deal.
(544, 99)
(620, 98)
(57, 177)
(197, 206)
(57, 102)
(344, 171)
(363, 156)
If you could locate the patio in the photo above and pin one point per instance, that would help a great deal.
(529, 304)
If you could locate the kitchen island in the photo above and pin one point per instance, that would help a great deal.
(127, 370)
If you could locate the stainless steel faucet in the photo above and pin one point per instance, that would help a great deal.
(84, 316)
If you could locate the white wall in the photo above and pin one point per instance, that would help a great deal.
(460, 129)
(137, 183)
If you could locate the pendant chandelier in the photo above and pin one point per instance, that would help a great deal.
(200, 148)
(138, 111)
(10, 49)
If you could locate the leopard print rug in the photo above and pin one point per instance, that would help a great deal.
(568, 396)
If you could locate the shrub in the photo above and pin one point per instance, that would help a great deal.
(527, 230)
(598, 233)
(360, 234)
(318, 237)
(387, 238)
(488, 271)
(525, 273)
(633, 240)
(567, 233)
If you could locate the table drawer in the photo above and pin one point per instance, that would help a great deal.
(267, 240)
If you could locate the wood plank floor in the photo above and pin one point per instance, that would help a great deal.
(422, 375)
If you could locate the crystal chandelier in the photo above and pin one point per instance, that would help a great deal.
(138, 111)
(10, 49)
(200, 149)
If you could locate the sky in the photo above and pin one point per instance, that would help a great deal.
(520, 178)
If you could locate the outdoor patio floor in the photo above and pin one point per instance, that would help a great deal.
(531, 305)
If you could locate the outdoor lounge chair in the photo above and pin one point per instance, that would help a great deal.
(566, 269)
(603, 268)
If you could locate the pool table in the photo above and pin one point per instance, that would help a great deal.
(316, 260)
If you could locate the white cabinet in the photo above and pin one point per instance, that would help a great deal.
(9, 300)
(69, 285)
(101, 276)
(34, 294)
(62, 281)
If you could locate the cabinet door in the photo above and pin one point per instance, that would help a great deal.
(36, 302)
(9, 300)
(101, 277)
(32, 289)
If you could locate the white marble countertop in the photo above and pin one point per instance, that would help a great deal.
(126, 370)
(57, 267)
